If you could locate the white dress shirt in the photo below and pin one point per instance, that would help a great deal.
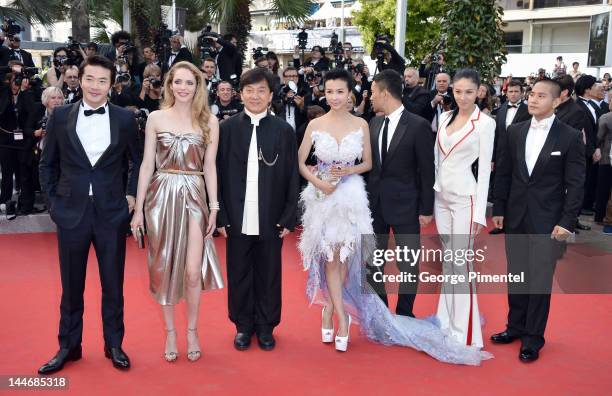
(250, 214)
(394, 119)
(290, 116)
(511, 113)
(536, 136)
(590, 107)
(94, 133)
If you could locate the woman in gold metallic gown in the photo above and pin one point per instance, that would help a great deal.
(180, 147)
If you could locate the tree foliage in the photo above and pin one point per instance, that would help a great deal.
(423, 25)
(474, 37)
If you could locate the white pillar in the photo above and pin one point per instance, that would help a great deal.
(400, 26)
(341, 38)
(126, 16)
(173, 20)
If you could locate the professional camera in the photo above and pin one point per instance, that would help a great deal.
(285, 89)
(335, 47)
(72, 44)
(235, 81)
(26, 73)
(155, 83)
(259, 52)
(302, 39)
(206, 42)
(42, 124)
(123, 77)
(435, 57)
(379, 46)
(310, 77)
(446, 99)
(162, 40)
(11, 28)
(355, 68)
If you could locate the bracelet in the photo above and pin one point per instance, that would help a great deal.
(213, 206)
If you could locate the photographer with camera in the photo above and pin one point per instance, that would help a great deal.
(386, 56)
(225, 105)
(441, 99)
(316, 62)
(124, 89)
(29, 155)
(16, 53)
(416, 98)
(178, 52)
(430, 67)
(150, 58)
(72, 87)
(315, 90)
(55, 75)
(17, 101)
(224, 50)
(125, 51)
(151, 88)
(290, 106)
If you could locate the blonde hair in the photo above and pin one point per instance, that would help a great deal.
(200, 111)
(151, 69)
(48, 92)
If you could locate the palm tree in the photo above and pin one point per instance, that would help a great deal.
(45, 12)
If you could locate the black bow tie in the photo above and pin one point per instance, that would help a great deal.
(99, 110)
(511, 106)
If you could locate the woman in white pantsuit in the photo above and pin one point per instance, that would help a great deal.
(465, 135)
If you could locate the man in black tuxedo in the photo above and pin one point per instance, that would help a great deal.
(538, 193)
(290, 106)
(400, 184)
(585, 92)
(512, 111)
(228, 58)
(72, 87)
(15, 52)
(416, 98)
(258, 177)
(178, 52)
(85, 146)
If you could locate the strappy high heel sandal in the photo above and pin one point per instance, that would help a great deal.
(172, 355)
(194, 355)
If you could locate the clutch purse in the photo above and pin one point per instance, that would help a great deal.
(140, 238)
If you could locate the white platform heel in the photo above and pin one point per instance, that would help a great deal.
(327, 335)
(342, 342)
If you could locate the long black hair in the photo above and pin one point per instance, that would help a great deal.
(461, 74)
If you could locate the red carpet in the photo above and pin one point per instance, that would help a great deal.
(577, 359)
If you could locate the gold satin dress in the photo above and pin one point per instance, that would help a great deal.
(176, 195)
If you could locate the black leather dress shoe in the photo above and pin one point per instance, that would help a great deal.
(59, 360)
(503, 338)
(528, 355)
(119, 358)
(583, 227)
(266, 341)
(496, 231)
(242, 341)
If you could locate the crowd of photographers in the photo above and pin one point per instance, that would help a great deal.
(27, 100)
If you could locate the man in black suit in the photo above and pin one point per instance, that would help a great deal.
(290, 105)
(119, 41)
(178, 52)
(85, 146)
(72, 87)
(15, 52)
(512, 111)
(538, 193)
(227, 58)
(585, 92)
(416, 98)
(441, 99)
(258, 177)
(400, 184)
